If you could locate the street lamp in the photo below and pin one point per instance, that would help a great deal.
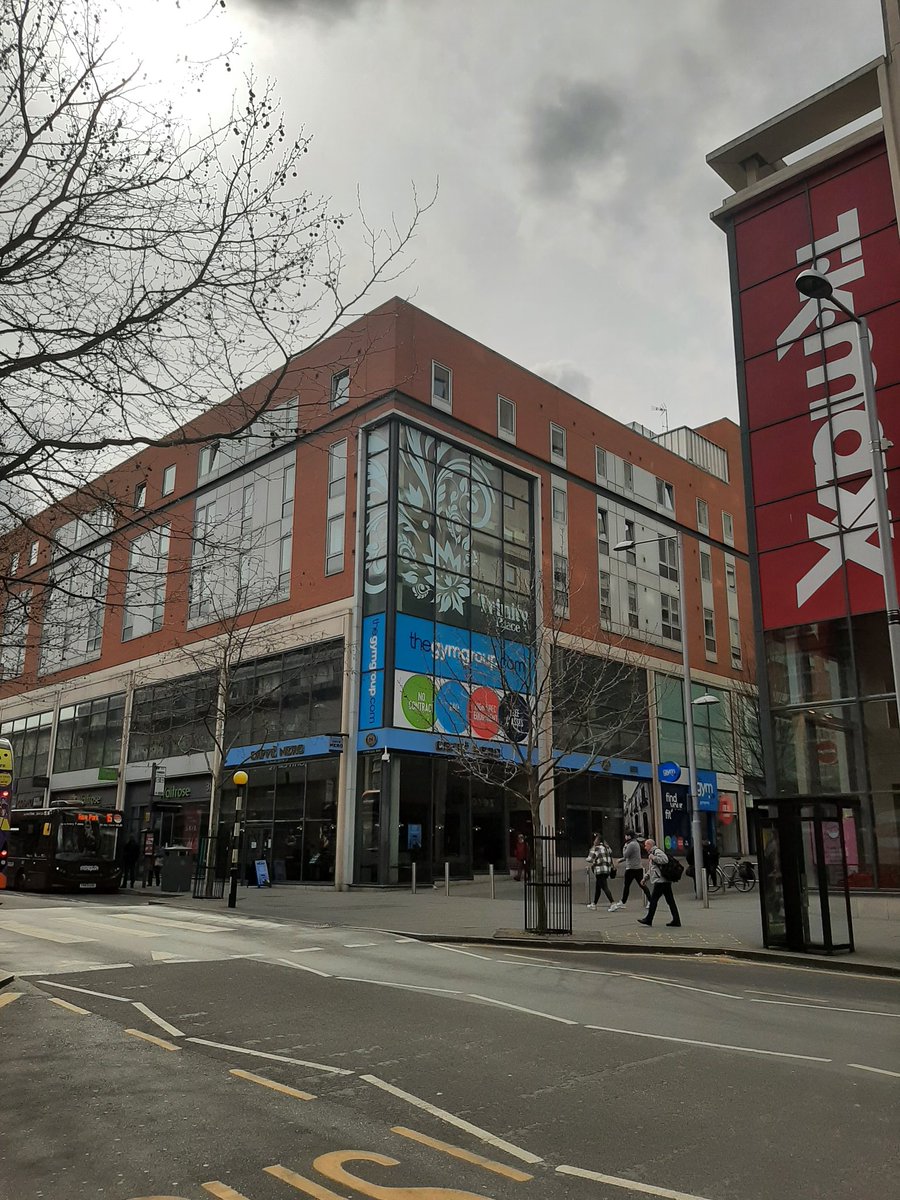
(239, 779)
(817, 286)
(696, 836)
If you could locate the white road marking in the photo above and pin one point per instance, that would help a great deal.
(876, 1070)
(863, 1012)
(406, 987)
(301, 967)
(70, 987)
(684, 986)
(172, 922)
(712, 1045)
(532, 1012)
(456, 950)
(45, 935)
(306, 949)
(358, 945)
(458, 1122)
(401, 940)
(646, 1189)
(75, 968)
(157, 1019)
(109, 926)
(297, 1062)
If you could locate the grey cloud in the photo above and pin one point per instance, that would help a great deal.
(571, 126)
(566, 375)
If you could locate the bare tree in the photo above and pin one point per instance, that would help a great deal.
(149, 268)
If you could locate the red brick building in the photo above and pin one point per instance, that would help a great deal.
(403, 481)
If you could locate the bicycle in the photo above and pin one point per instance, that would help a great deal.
(739, 875)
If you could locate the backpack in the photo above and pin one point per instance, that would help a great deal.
(671, 870)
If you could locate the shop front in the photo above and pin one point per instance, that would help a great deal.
(177, 816)
(96, 796)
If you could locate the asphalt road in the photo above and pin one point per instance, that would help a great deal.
(596, 1075)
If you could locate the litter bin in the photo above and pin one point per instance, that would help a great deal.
(177, 869)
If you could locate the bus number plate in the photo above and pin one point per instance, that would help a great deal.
(87, 885)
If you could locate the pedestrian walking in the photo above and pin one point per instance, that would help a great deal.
(600, 861)
(634, 871)
(710, 862)
(130, 856)
(522, 855)
(659, 886)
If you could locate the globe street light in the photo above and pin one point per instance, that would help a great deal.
(817, 286)
(239, 779)
(700, 889)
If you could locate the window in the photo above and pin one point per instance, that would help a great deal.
(145, 583)
(14, 563)
(730, 576)
(629, 476)
(32, 554)
(441, 386)
(728, 528)
(209, 460)
(709, 630)
(168, 482)
(506, 419)
(247, 502)
(72, 629)
(668, 558)
(600, 462)
(140, 495)
(665, 494)
(287, 491)
(560, 505)
(173, 718)
(14, 636)
(702, 515)
(734, 629)
(630, 555)
(284, 564)
(633, 617)
(605, 597)
(558, 444)
(30, 737)
(89, 734)
(670, 614)
(560, 584)
(705, 566)
(602, 531)
(340, 388)
(337, 491)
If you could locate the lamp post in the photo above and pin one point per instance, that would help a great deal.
(700, 889)
(816, 286)
(239, 779)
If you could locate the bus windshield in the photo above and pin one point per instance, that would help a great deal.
(86, 838)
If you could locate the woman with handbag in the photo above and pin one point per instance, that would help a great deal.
(600, 861)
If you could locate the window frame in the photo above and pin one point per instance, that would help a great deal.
(339, 393)
(709, 623)
(702, 515)
(730, 576)
(605, 586)
(705, 561)
(665, 494)
(603, 531)
(140, 495)
(560, 584)
(558, 456)
(672, 621)
(628, 474)
(168, 479)
(632, 602)
(508, 435)
(14, 563)
(444, 402)
(727, 528)
(561, 513)
(600, 456)
(33, 553)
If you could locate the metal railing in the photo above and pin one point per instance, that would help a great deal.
(548, 883)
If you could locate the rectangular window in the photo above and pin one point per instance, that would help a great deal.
(560, 505)
(668, 558)
(630, 555)
(340, 388)
(337, 493)
(33, 554)
(600, 462)
(728, 528)
(705, 566)
(247, 502)
(209, 460)
(145, 583)
(734, 629)
(168, 482)
(633, 615)
(560, 584)
(670, 614)
(140, 495)
(605, 598)
(702, 515)
(14, 563)
(629, 476)
(441, 387)
(14, 636)
(730, 576)
(287, 491)
(602, 531)
(665, 494)
(506, 419)
(558, 444)
(709, 630)
(284, 564)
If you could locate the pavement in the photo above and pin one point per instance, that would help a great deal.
(731, 925)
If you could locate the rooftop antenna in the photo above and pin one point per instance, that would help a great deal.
(661, 408)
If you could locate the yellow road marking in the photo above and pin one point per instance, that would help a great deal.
(84, 1012)
(302, 1185)
(9, 997)
(269, 1083)
(148, 1037)
(332, 1167)
(222, 1191)
(466, 1155)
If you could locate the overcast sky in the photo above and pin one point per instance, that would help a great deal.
(571, 231)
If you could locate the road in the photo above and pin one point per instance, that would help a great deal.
(151, 1051)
